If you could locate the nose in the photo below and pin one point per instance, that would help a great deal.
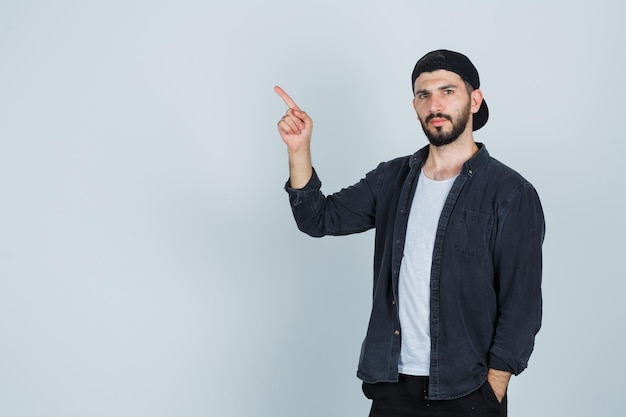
(436, 104)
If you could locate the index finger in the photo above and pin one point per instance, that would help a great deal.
(288, 100)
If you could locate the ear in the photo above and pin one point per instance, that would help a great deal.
(476, 99)
(414, 101)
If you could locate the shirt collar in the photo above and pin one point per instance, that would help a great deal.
(469, 167)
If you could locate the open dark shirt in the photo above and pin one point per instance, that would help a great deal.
(485, 284)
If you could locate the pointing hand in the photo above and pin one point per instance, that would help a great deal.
(295, 127)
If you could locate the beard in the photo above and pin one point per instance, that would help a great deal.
(459, 124)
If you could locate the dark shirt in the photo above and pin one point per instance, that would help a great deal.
(485, 284)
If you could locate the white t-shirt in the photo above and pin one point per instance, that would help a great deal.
(414, 283)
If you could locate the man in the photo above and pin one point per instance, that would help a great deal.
(457, 263)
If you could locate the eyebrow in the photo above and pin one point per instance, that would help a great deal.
(443, 87)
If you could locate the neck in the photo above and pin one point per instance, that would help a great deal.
(445, 162)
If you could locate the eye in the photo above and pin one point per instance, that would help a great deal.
(448, 91)
(422, 95)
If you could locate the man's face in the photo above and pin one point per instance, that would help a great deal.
(443, 106)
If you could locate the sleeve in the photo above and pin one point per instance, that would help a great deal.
(350, 210)
(518, 269)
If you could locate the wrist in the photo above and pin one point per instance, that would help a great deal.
(299, 150)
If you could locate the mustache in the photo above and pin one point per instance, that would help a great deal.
(437, 115)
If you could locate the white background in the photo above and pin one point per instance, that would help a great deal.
(149, 264)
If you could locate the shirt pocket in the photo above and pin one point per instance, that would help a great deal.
(471, 233)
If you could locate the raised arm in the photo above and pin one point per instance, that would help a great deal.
(295, 128)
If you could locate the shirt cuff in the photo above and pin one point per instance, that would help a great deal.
(298, 195)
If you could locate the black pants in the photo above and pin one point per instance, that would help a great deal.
(408, 398)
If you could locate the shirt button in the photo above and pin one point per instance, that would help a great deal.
(393, 302)
(397, 332)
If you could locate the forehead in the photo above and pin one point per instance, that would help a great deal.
(434, 79)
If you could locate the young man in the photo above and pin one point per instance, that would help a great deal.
(457, 262)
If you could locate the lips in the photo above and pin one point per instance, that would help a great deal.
(438, 119)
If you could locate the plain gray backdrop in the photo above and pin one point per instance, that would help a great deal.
(149, 263)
